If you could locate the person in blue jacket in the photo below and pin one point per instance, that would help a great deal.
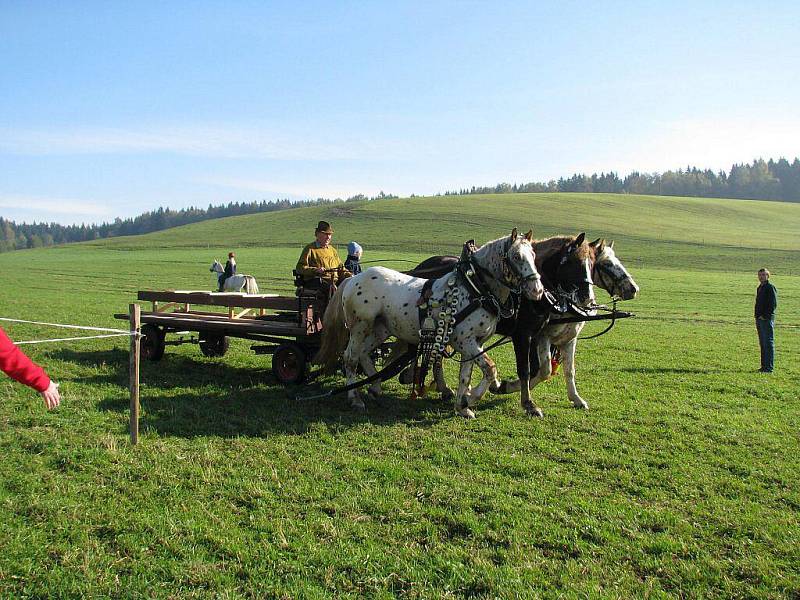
(766, 305)
(354, 252)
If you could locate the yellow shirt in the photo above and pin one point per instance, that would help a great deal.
(314, 257)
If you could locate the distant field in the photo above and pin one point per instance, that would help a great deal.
(681, 479)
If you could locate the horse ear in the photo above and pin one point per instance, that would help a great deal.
(513, 234)
(611, 245)
(598, 244)
(580, 238)
(529, 235)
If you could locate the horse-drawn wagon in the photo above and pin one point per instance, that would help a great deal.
(288, 327)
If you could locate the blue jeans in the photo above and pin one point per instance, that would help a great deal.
(766, 340)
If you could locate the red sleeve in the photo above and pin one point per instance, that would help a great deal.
(16, 365)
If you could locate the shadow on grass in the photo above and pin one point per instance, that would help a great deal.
(182, 396)
(676, 370)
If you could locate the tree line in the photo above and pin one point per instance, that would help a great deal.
(17, 236)
(761, 180)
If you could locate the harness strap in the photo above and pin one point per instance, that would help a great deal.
(481, 270)
(426, 292)
(612, 315)
(501, 342)
(606, 330)
(387, 372)
(480, 302)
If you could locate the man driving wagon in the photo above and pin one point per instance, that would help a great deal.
(319, 265)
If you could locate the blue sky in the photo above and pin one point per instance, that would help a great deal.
(109, 109)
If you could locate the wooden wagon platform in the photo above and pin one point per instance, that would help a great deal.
(256, 313)
(289, 326)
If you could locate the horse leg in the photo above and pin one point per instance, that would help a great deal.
(527, 362)
(494, 382)
(398, 348)
(568, 354)
(351, 359)
(378, 335)
(522, 343)
(489, 371)
(464, 377)
(447, 394)
(542, 366)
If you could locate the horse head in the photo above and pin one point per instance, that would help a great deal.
(570, 270)
(216, 267)
(519, 265)
(609, 272)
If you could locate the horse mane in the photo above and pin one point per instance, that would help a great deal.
(491, 243)
(549, 246)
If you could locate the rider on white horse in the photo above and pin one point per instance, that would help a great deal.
(230, 270)
(234, 282)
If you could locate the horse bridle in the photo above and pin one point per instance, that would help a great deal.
(509, 265)
(607, 274)
(562, 258)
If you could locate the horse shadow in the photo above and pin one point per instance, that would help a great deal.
(183, 397)
(258, 412)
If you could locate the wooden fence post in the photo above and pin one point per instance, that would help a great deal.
(135, 317)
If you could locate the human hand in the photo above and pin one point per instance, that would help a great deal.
(320, 271)
(51, 396)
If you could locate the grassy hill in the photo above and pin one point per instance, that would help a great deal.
(654, 230)
(681, 480)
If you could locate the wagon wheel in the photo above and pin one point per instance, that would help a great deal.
(213, 344)
(152, 342)
(289, 363)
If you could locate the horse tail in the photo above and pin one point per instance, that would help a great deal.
(251, 285)
(335, 334)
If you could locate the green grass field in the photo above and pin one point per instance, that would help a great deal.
(682, 480)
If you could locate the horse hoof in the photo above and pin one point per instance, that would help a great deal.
(535, 411)
(466, 413)
(358, 406)
(448, 395)
(406, 376)
(501, 388)
(581, 405)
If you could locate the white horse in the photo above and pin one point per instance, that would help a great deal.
(379, 303)
(237, 283)
(608, 273)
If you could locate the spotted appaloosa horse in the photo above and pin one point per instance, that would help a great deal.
(569, 266)
(379, 303)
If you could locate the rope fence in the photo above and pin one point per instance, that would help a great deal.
(115, 332)
(134, 334)
(69, 339)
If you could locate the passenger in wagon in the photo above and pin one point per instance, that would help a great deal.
(353, 261)
(320, 261)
